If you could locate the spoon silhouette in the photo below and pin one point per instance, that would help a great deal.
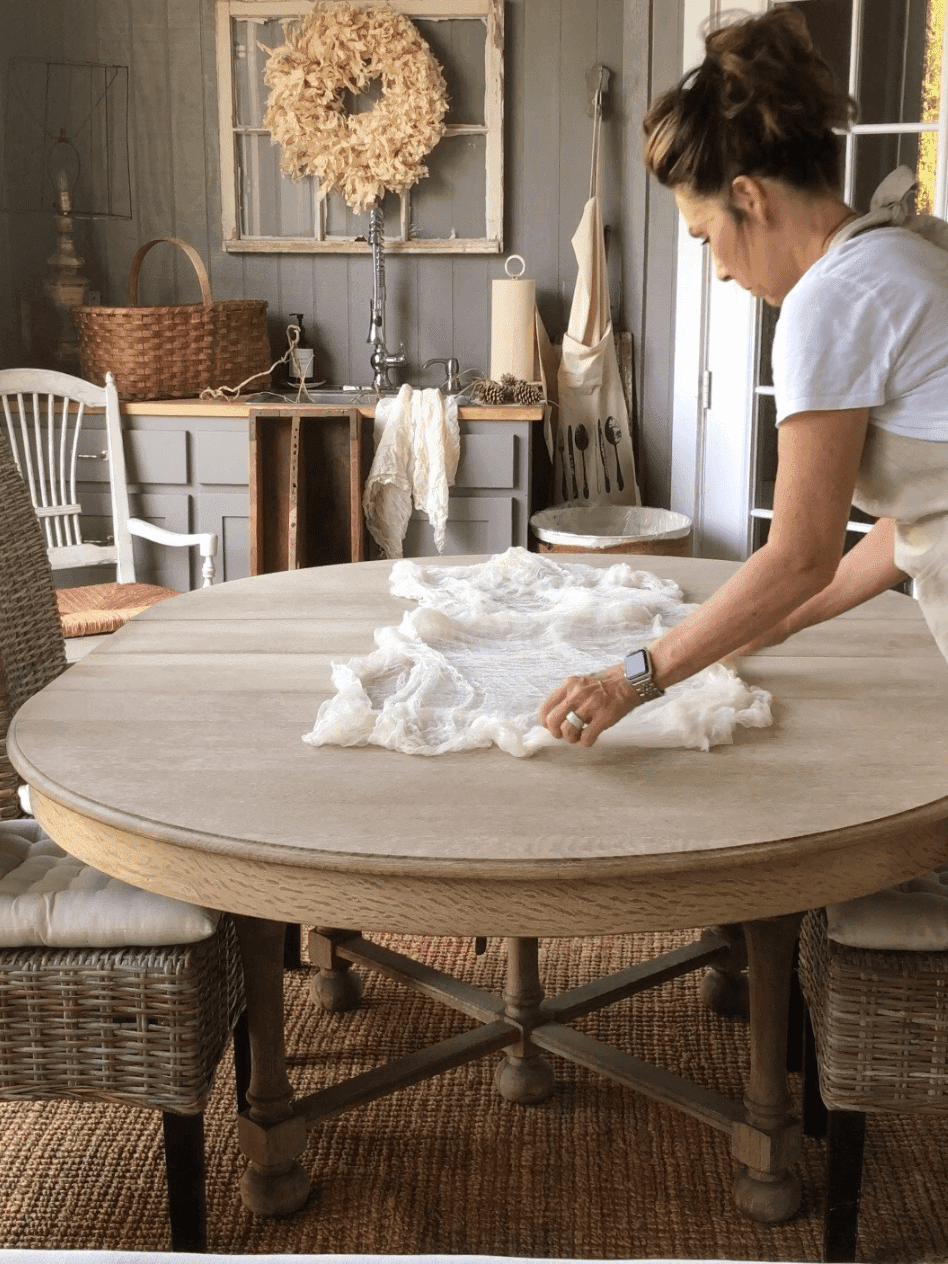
(614, 434)
(582, 442)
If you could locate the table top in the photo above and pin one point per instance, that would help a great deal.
(172, 756)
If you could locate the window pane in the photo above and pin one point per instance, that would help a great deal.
(270, 204)
(458, 48)
(249, 59)
(451, 202)
(830, 23)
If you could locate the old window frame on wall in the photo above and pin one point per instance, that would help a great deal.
(235, 240)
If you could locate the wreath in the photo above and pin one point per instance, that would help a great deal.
(338, 48)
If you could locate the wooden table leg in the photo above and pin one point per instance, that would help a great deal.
(769, 1143)
(269, 1134)
(524, 1075)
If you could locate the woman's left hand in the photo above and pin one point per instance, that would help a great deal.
(600, 700)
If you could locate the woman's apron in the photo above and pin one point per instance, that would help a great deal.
(900, 477)
(907, 479)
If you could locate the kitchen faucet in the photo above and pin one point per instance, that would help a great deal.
(381, 359)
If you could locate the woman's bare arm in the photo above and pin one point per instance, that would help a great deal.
(818, 459)
(867, 570)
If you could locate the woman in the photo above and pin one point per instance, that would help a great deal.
(860, 356)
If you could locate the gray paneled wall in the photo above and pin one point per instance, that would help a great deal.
(437, 305)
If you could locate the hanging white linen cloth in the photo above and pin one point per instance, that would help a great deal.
(593, 462)
(418, 447)
(487, 643)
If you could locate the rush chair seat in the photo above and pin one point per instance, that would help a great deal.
(43, 413)
(106, 992)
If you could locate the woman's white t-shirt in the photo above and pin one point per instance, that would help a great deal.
(867, 327)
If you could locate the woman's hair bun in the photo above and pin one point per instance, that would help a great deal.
(763, 102)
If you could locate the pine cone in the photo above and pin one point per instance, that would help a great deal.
(527, 393)
(493, 393)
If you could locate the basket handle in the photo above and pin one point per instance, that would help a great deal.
(196, 260)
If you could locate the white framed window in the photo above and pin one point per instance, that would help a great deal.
(457, 209)
(892, 56)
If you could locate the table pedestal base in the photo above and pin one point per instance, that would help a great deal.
(523, 1024)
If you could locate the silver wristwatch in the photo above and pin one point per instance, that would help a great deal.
(638, 672)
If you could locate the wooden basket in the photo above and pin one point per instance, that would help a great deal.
(176, 351)
(880, 1018)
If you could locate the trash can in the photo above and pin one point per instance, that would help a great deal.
(611, 529)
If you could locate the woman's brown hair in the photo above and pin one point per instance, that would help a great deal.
(763, 103)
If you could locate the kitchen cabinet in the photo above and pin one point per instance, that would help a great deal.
(193, 466)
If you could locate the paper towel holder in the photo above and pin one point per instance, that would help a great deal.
(515, 276)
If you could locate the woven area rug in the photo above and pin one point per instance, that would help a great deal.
(449, 1167)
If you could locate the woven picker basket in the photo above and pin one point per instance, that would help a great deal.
(175, 351)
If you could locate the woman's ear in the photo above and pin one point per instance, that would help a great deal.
(749, 198)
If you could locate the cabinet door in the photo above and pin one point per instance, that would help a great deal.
(227, 514)
(476, 524)
(154, 564)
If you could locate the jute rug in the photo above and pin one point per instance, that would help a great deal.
(449, 1167)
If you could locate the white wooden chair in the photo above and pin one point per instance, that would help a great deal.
(44, 412)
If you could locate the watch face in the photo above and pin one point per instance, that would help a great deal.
(636, 664)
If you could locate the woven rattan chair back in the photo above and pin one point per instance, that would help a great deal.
(31, 639)
(44, 413)
(877, 1037)
(140, 1026)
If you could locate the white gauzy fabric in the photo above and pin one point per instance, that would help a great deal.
(416, 458)
(47, 897)
(471, 665)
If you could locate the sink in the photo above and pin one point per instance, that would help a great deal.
(331, 395)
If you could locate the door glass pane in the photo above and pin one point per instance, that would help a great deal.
(899, 46)
(874, 157)
(830, 23)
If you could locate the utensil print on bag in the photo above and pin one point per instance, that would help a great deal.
(561, 449)
(582, 442)
(614, 434)
(602, 456)
(572, 460)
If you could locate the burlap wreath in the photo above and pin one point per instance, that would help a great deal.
(338, 48)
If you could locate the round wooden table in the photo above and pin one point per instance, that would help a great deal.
(172, 758)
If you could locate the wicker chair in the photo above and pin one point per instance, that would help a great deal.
(141, 1026)
(876, 1043)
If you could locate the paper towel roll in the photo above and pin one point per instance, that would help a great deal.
(513, 329)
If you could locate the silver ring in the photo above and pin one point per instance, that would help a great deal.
(576, 720)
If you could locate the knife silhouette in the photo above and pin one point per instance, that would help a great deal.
(602, 456)
(572, 461)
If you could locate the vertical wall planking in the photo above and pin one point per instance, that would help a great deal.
(116, 240)
(151, 112)
(533, 178)
(578, 51)
(189, 126)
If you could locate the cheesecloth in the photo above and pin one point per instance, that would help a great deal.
(487, 643)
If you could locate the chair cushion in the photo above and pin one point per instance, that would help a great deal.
(912, 916)
(99, 608)
(48, 897)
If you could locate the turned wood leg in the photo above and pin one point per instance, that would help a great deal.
(292, 950)
(796, 1016)
(184, 1165)
(524, 1074)
(769, 1142)
(241, 1062)
(269, 1134)
(845, 1140)
(724, 986)
(336, 986)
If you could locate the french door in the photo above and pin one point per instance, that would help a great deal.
(891, 54)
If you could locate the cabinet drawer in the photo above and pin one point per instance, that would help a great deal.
(476, 524)
(150, 456)
(488, 460)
